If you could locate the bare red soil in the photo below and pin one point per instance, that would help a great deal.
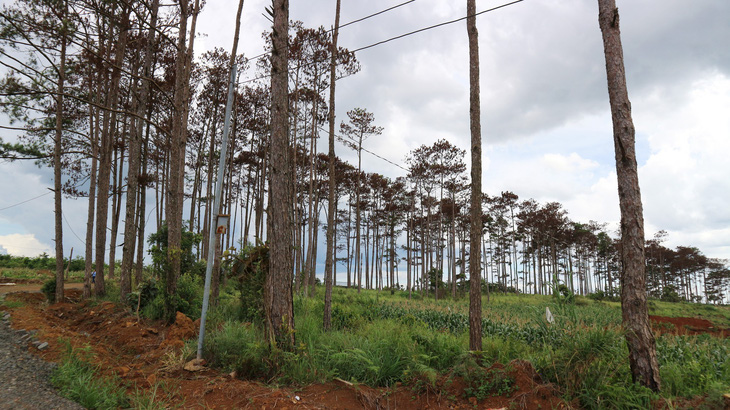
(686, 326)
(146, 354)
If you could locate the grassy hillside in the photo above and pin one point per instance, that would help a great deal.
(381, 339)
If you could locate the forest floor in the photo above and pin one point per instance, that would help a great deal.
(145, 355)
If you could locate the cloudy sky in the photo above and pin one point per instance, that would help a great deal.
(546, 124)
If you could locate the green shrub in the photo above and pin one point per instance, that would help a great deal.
(158, 251)
(146, 292)
(249, 269)
(669, 294)
(563, 295)
(49, 289)
(188, 299)
(600, 296)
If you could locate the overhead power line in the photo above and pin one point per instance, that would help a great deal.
(63, 214)
(27, 200)
(345, 25)
(445, 23)
(345, 138)
(376, 14)
(436, 26)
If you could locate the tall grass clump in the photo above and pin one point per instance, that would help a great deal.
(79, 380)
(238, 347)
(692, 365)
(591, 365)
(377, 356)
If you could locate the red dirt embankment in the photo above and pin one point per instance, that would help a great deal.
(686, 326)
(147, 354)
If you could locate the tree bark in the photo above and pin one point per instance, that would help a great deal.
(475, 237)
(640, 340)
(105, 154)
(135, 148)
(279, 306)
(89, 251)
(57, 188)
(175, 184)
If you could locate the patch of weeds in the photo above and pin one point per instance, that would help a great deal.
(715, 397)
(12, 304)
(175, 359)
(77, 379)
(159, 397)
(483, 383)
(421, 378)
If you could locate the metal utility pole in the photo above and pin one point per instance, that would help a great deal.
(212, 237)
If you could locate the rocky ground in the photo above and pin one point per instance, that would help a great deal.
(25, 378)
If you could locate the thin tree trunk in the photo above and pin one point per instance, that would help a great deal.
(640, 340)
(107, 142)
(331, 204)
(116, 202)
(57, 186)
(89, 251)
(175, 186)
(475, 237)
(135, 148)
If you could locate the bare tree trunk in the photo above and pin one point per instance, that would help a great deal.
(89, 251)
(639, 338)
(135, 149)
(175, 185)
(107, 143)
(279, 305)
(57, 187)
(331, 204)
(475, 237)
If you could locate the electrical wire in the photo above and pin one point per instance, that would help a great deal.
(27, 200)
(345, 25)
(436, 26)
(394, 38)
(72, 229)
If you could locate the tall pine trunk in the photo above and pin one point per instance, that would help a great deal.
(635, 313)
(331, 204)
(175, 182)
(135, 149)
(105, 154)
(279, 305)
(57, 187)
(475, 237)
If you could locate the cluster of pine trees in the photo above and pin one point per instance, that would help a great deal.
(109, 95)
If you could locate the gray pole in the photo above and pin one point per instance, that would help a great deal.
(216, 208)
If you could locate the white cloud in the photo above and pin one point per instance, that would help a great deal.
(24, 245)
(684, 181)
(544, 177)
(3, 251)
(570, 164)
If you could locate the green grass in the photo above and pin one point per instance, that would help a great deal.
(78, 380)
(36, 275)
(379, 339)
(11, 304)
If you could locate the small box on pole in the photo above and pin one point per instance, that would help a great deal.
(222, 224)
